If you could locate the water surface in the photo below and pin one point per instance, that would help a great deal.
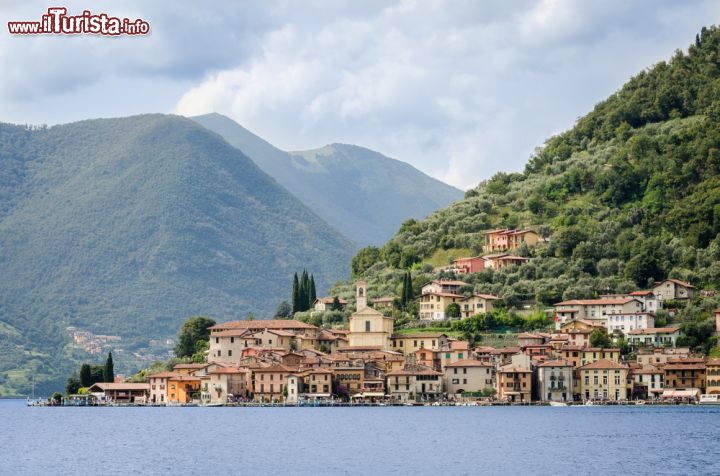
(384, 440)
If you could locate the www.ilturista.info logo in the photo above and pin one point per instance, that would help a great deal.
(58, 22)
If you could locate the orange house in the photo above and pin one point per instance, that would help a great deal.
(183, 388)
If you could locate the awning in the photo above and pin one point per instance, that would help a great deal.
(694, 393)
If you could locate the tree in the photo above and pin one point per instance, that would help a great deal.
(201, 347)
(85, 375)
(73, 384)
(336, 306)
(312, 293)
(193, 329)
(364, 258)
(283, 310)
(599, 338)
(407, 290)
(109, 371)
(452, 310)
(304, 290)
(295, 294)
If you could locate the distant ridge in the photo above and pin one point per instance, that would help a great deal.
(364, 194)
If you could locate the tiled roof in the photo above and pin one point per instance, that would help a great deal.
(555, 363)
(419, 335)
(595, 302)
(264, 324)
(604, 364)
(121, 386)
(469, 363)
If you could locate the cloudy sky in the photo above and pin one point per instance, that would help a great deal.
(460, 89)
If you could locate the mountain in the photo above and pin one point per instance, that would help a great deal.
(361, 192)
(627, 197)
(127, 226)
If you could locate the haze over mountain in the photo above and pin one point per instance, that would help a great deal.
(361, 192)
(127, 226)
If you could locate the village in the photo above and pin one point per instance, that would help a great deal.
(290, 362)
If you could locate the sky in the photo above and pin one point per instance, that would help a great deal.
(459, 89)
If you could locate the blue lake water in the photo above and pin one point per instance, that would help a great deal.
(385, 440)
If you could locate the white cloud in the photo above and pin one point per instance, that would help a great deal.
(460, 89)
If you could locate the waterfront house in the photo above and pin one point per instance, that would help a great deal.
(227, 384)
(269, 382)
(514, 383)
(158, 386)
(183, 388)
(383, 303)
(120, 392)
(605, 380)
(712, 373)
(469, 375)
(555, 381)
(647, 381)
(685, 374)
(414, 383)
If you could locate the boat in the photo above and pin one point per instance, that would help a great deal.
(709, 399)
(558, 404)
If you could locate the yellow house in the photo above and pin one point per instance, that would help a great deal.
(604, 380)
(477, 304)
(409, 343)
(369, 328)
(433, 304)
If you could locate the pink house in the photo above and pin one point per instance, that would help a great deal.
(470, 265)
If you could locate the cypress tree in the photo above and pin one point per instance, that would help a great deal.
(312, 295)
(408, 297)
(403, 293)
(109, 371)
(295, 294)
(85, 375)
(304, 291)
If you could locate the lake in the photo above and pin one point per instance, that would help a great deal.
(370, 440)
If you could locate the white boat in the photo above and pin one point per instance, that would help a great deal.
(708, 399)
(558, 404)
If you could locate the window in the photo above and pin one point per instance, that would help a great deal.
(232, 340)
(367, 326)
(229, 352)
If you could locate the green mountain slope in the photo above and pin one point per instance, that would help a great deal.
(628, 196)
(361, 192)
(127, 226)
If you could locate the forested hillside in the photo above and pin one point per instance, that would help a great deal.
(629, 196)
(127, 226)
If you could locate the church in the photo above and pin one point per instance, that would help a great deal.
(369, 328)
